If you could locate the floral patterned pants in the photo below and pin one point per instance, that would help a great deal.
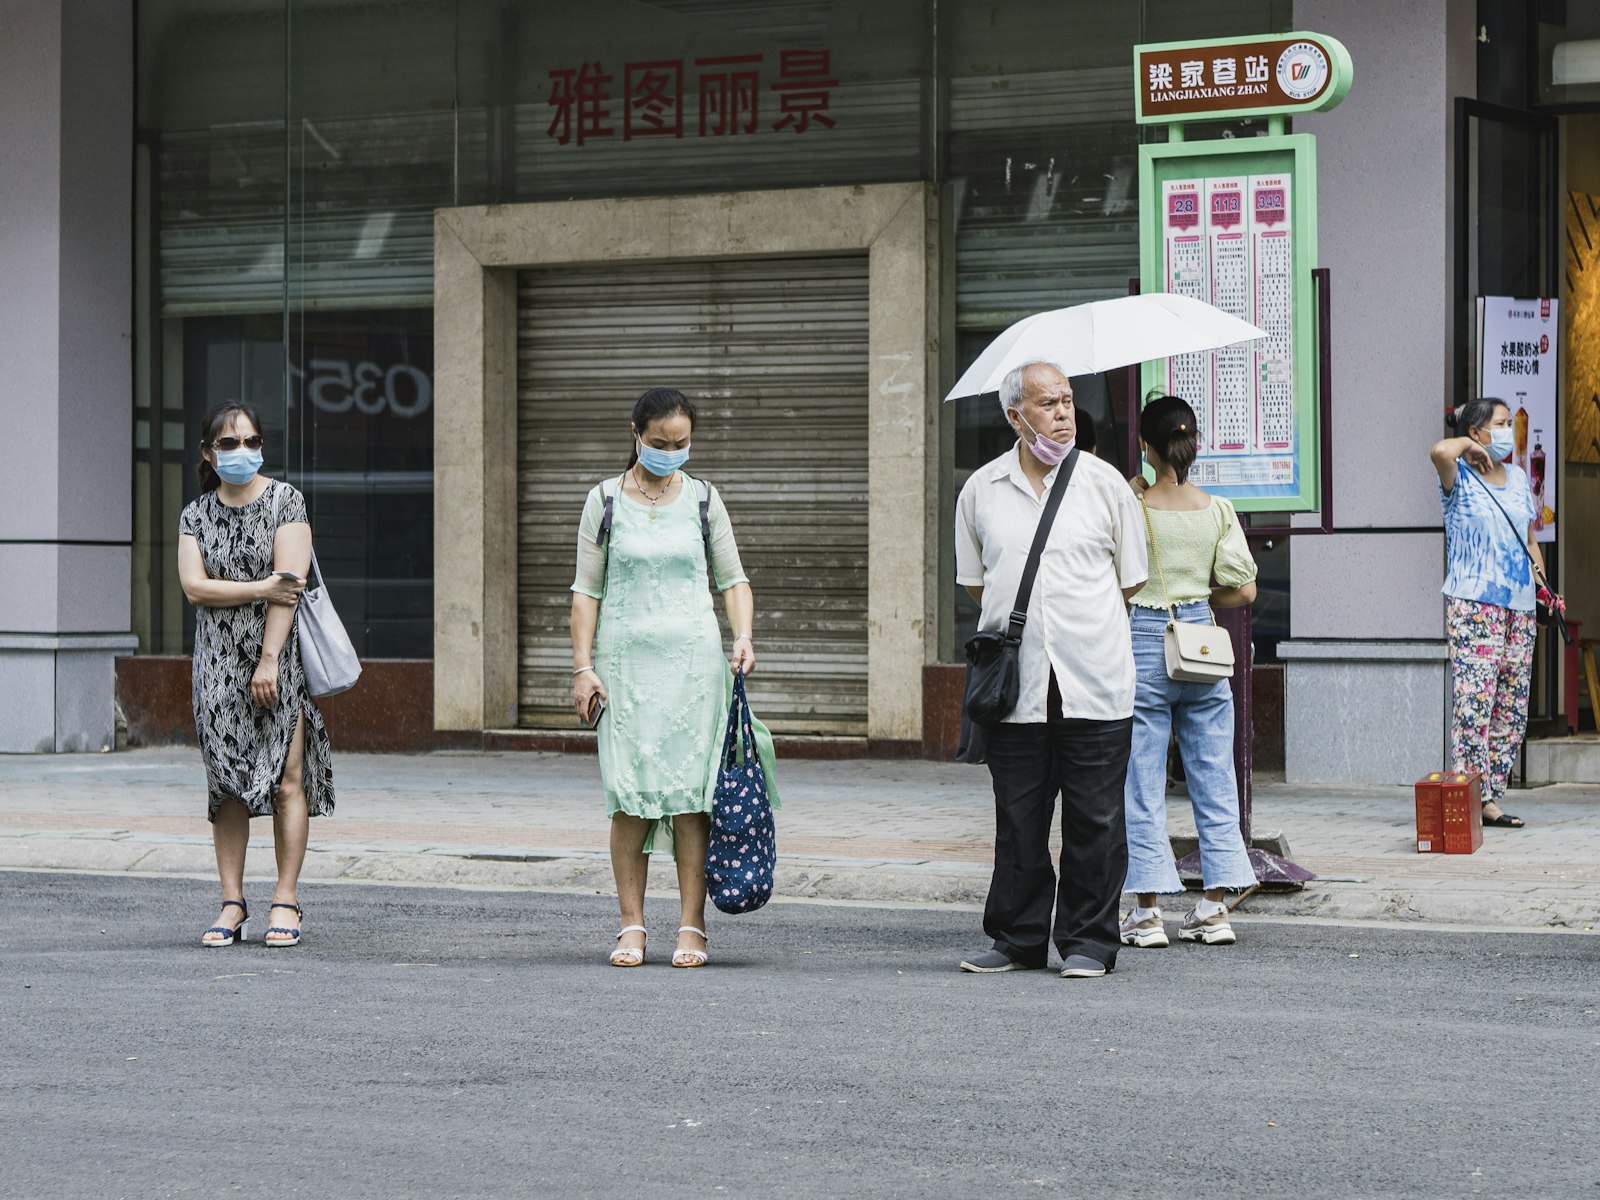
(1491, 657)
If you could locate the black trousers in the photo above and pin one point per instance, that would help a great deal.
(1086, 763)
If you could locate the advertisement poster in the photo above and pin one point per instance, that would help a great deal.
(1229, 242)
(1517, 342)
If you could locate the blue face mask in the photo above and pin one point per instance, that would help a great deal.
(1501, 443)
(662, 463)
(238, 466)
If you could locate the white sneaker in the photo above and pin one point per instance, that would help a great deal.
(1208, 931)
(1148, 934)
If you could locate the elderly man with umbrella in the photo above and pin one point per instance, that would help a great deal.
(1073, 722)
(1051, 544)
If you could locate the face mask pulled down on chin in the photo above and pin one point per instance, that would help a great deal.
(1050, 453)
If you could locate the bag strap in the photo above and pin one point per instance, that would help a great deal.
(1522, 542)
(608, 490)
(1521, 534)
(1058, 492)
(1155, 553)
(277, 495)
(739, 720)
(705, 512)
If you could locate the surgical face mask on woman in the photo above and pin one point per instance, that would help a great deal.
(1050, 453)
(662, 463)
(1501, 443)
(238, 466)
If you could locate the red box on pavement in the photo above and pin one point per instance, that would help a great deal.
(1449, 813)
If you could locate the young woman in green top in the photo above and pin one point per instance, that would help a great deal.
(647, 663)
(1196, 539)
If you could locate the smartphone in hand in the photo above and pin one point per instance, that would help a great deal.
(597, 709)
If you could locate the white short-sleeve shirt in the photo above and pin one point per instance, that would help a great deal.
(1077, 620)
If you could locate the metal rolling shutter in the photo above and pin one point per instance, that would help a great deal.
(773, 353)
(1061, 225)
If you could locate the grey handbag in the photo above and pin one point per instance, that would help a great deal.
(326, 656)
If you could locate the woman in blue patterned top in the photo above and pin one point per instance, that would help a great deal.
(1489, 593)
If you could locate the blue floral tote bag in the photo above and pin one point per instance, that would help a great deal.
(744, 848)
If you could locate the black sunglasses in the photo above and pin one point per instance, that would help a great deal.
(254, 442)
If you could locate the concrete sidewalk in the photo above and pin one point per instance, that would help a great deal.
(862, 830)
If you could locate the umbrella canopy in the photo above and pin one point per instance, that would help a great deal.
(1089, 338)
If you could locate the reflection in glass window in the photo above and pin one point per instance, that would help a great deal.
(361, 408)
(358, 441)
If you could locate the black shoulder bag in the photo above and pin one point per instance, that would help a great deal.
(994, 671)
(1544, 614)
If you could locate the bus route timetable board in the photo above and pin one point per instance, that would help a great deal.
(1235, 225)
(1228, 243)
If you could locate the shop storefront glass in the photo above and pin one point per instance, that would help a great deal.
(291, 154)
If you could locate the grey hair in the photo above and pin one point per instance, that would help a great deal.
(1011, 385)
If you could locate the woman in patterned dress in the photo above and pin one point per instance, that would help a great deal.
(1489, 593)
(647, 662)
(243, 551)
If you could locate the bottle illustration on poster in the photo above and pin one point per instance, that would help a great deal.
(1541, 514)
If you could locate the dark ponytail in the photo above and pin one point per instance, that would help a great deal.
(211, 427)
(1169, 427)
(1476, 414)
(651, 407)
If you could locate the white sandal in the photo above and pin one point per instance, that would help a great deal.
(628, 956)
(696, 958)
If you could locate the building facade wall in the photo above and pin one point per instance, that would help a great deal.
(478, 251)
(66, 103)
(1366, 616)
(293, 257)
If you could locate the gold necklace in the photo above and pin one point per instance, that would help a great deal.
(656, 498)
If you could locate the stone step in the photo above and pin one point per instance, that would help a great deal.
(1564, 759)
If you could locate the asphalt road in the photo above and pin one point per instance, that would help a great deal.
(446, 1043)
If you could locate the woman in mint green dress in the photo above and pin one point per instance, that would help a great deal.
(647, 662)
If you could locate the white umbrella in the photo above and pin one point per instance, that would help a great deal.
(1089, 338)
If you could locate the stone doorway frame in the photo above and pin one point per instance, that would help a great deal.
(477, 254)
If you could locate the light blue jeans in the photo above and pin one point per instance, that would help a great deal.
(1202, 714)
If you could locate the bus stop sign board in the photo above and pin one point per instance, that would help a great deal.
(1239, 77)
(1233, 222)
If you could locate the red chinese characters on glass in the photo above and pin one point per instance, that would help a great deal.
(730, 90)
(652, 99)
(804, 89)
(581, 99)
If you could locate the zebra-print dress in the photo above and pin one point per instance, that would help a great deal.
(244, 745)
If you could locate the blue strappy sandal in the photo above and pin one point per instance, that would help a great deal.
(289, 941)
(239, 933)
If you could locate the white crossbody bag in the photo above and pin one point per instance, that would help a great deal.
(1195, 653)
(327, 657)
